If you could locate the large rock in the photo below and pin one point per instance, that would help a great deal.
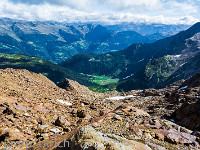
(88, 138)
(188, 115)
(151, 92)
(134, 111)
(81, 113)
(8, 111)
(176, 137)
(12, 135)
(62, 121)
(42, 129)
(66, 85)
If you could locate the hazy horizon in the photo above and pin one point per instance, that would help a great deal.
(105, 11)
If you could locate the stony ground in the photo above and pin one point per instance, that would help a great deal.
(34, 109)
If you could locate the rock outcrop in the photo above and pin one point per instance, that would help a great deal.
(88, 138)
(188, 115)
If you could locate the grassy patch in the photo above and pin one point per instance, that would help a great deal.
(101, 80)
(103, 88)
(104, 83)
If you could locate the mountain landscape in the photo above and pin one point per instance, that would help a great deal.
(119, 82)
(99, 75)
(145, 65)
(57, 42)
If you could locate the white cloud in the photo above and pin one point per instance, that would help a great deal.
(132, 5)
(108, 11)
(116, 4)
(74, 4)
(184, 8)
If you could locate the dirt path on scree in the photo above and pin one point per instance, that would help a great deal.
(70, 134)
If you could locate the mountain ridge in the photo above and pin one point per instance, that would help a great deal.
(133, 60)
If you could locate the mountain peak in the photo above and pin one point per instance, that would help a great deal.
(99, 33)
(195, 28)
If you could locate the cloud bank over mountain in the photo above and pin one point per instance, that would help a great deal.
(106, 11)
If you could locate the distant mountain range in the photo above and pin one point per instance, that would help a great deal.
(150, 65)
(58, 42)
(148, 29)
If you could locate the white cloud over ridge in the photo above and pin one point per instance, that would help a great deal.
(106, 11)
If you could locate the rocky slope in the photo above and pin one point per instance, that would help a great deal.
(188, 114)
(34, 109)
(31, 104)
(57, 42)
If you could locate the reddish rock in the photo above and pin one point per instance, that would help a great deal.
(65, 84)
(88, 117)
(41, 120)
(8, 111)
(176, 137)
(81, 121)
(42, 129)
(41, 109)
(62, 121)
(13, 135)
(173, 137)
(160, 136)
(93, 106)
(188, 115)
(117, 117)
(81, 113)
(135, 130)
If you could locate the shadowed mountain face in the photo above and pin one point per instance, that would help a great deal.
(57, 42)
(192, 82)
(152, 65)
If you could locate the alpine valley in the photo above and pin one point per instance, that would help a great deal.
(145, 65)
(79, 86)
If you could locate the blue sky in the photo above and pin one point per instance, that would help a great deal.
(106, 11)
